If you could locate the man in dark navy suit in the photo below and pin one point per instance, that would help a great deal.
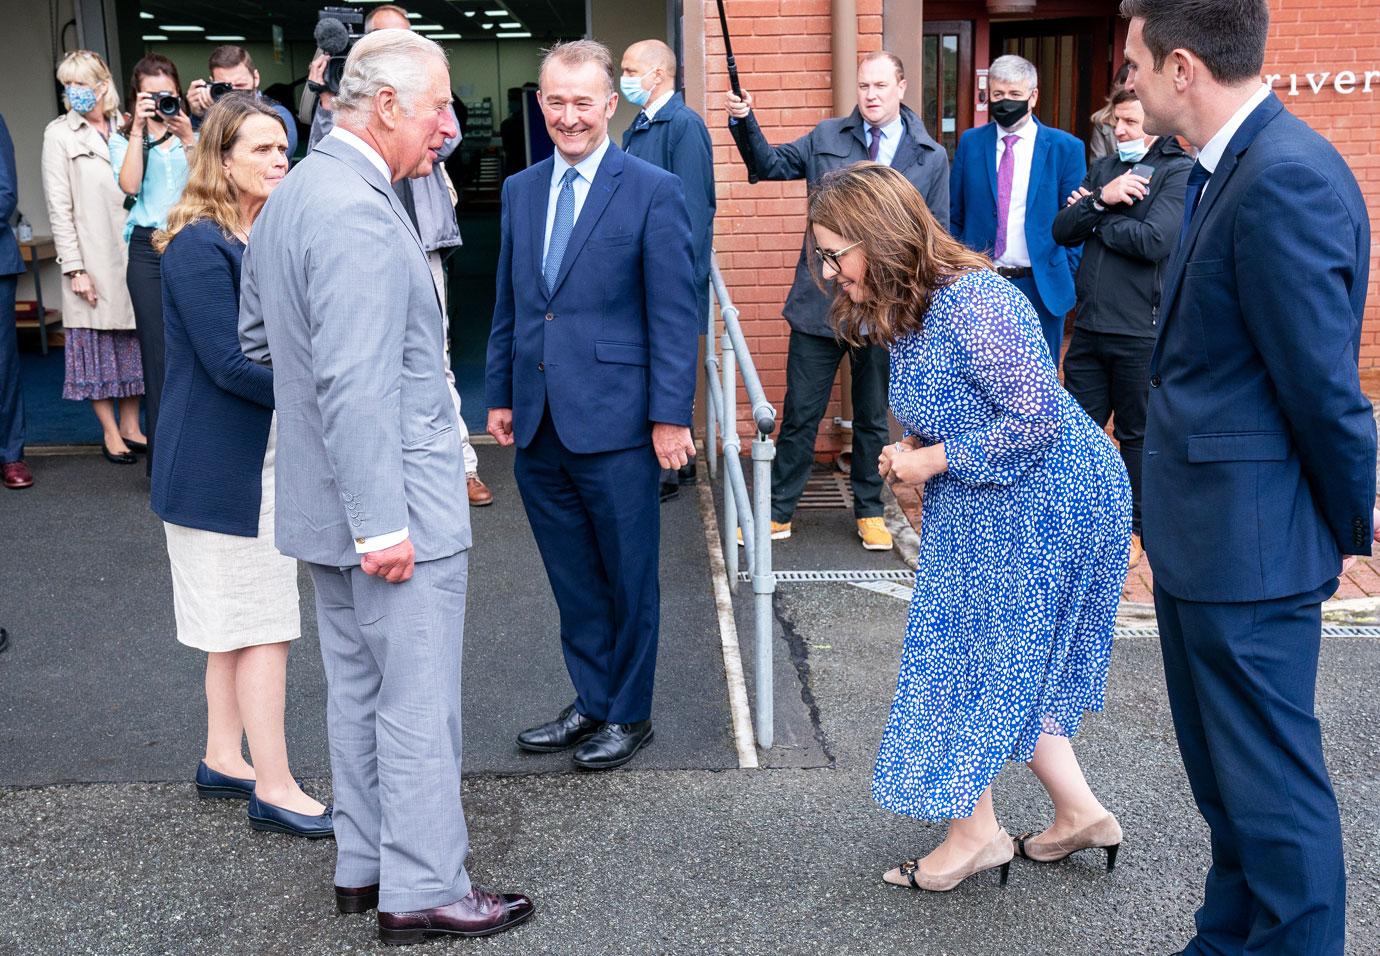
(1259, 470)
(14, 473)
(591, 372)
(1009, 180)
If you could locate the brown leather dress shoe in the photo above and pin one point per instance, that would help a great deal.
(479, 492)
(16, 475)
(481, 913)
(356, 899)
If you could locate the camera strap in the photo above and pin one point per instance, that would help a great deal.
(149, 144)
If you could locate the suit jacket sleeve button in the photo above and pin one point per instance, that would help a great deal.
(541, 366)
(1155, 381)
(549, 316)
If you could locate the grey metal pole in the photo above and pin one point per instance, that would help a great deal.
(763, 587)
(711, 433)
(730, 429)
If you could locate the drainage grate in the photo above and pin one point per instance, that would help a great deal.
(1329, 630)
(836, 577)
(831, 490)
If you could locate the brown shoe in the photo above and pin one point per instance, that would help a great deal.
(481, 913)
(356, 899)
(480, 494)
(16, 474)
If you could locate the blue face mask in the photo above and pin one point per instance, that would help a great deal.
(1133, 150)
(632, 90)
(82, 99)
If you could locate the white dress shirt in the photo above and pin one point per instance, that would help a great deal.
(379, 541)
(891, 139)
(587, 168)
(1211, 154)
(1017, 254)
(654, 107)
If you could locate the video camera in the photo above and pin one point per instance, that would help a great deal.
(337, 29)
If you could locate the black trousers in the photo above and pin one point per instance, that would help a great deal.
(1109, 375)
(812, 361)
(145, 284)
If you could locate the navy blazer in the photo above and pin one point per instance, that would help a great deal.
(678, 141)
(217, 405)
(1056, 169)
(612, 348)
(11, 262)
(1259, 469)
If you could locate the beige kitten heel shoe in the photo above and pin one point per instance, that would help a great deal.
(1105, 834)
(997, 854)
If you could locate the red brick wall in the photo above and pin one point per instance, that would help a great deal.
(782, 48)
(1317, 36)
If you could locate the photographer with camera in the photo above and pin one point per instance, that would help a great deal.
(152, 176)
(232, 70)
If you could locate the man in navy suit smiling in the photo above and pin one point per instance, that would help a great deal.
(1259, 469)
(591, 372)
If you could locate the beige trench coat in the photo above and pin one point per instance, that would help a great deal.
(86, 210)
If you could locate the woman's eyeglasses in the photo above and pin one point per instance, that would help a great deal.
(832, 256)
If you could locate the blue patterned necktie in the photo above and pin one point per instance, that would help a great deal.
(642, 122)
(1197, 176)
(561, 228)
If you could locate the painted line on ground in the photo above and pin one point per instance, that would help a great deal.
(728, 634)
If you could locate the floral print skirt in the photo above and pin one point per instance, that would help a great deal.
(102, 364)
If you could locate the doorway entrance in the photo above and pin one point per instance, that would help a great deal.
(946, 90)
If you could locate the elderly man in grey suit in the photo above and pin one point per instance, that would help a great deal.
(338, 296)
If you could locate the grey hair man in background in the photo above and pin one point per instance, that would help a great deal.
(338, 296)
(429, 201)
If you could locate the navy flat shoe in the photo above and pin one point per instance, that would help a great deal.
(214, 785)
(271, 819)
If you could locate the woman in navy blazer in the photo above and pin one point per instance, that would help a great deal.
(235, 596)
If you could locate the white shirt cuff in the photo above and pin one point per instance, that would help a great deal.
(380, 541)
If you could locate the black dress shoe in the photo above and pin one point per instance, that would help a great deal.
(568, 729)
(613, 746)
(668, 491)
(481, 913)
(124, 458)
(356, 899)
(686, 473)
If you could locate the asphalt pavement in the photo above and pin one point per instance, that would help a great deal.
(646, 860)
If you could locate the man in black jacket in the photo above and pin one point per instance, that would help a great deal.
(884, 131)
(1127, 214)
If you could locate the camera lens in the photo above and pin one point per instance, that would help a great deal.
(220, 89)
(167, 104)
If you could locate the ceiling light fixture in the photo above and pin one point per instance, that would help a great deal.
(154, 38)
(469, 13)
(487, 26)
(497, 13)
(145, 16)
(514, 36)
(426, 27)
(445, 36)
(510, 26)
(414, 16)
(181, 28)
(226, 38)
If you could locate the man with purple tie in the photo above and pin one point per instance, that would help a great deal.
(1009, 181)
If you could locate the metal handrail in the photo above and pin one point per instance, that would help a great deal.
(752, 514)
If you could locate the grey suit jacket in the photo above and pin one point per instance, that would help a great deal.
(337, 295)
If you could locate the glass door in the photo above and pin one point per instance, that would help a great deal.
(946, 93)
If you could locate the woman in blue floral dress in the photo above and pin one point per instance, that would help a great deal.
(1024, 539)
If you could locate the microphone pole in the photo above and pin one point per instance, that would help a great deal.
(739, 127)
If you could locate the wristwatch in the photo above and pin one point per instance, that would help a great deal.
(76, 272)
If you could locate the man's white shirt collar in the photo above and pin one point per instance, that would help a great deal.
(586, 167)
(369, 153)
(1026, 132)
(1211, 153)
(654, 107)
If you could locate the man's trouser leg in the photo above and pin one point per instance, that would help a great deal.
(392, 656)
(871, 371)
(11, 398)
(1241, 681)
(812, 362)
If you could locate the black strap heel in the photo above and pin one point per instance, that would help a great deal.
(1005, 871)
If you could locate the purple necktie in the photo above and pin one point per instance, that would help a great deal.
(876, 144)
(1006, 172)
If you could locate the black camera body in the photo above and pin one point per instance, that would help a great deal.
(337, 30)
(166, 104)
(220, 89)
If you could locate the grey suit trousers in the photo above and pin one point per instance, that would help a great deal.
(392, 656)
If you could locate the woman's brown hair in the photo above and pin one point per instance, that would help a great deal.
(153, 64)
(209, 193)
(909, 254)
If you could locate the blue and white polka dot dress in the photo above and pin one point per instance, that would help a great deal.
(1023, 550)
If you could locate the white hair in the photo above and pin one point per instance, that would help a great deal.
(1014, 69)
(385, 58)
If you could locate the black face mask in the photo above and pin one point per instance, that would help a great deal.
(1008, 112)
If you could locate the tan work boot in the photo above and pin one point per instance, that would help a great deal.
(874, 535)
(1137, 552)
(780, 531)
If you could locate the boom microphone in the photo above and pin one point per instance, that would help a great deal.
(331, 36)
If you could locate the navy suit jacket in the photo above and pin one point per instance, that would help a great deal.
(11, 263)
(678, 141)
(1259, 469)
(1056, 170)
(612, 348)
(217, 404)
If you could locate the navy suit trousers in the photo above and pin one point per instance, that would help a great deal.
(11, 399)
(1241, 681)
(597, 521)
(1050, 324)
